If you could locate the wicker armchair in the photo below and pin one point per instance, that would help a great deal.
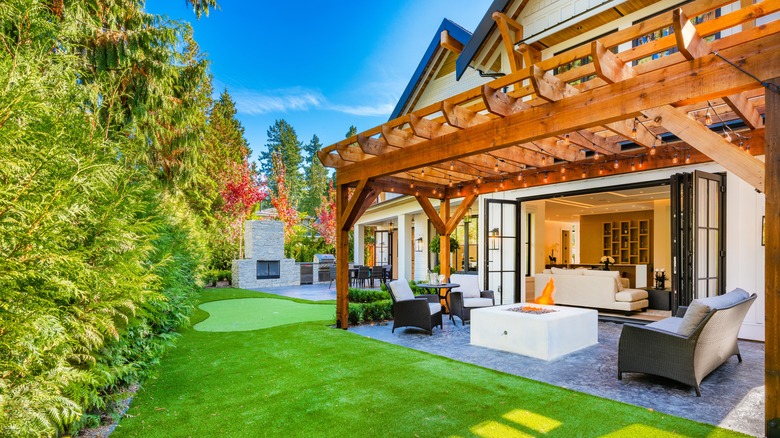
(660, 349)
(423, 311)
(467, 296)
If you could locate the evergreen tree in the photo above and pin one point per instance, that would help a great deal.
(283, 140)
(316, 178)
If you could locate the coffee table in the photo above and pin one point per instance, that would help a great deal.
(546, 336)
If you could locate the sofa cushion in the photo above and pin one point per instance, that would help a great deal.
(613, 274)
(469, 285)
(435, 308)
(669, 324)
(695, 314)
(477, 302)
(630, 295)
(401, 290)
(547, 271)
(564, 271)
(725, 300)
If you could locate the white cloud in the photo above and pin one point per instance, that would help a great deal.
(299, 99)
(365, 110)
(290, 99)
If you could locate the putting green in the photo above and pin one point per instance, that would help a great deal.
(246, 314)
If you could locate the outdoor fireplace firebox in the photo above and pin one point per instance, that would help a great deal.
(268, 269)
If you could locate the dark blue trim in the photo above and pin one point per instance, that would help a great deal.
(455, 31)
(483, 30)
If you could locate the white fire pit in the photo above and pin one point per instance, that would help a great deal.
(545, 336)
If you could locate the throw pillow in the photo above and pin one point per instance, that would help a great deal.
(695, 314)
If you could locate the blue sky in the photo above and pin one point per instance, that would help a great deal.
(322, 66)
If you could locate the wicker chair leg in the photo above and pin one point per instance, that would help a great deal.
(739, 357)
(620, 375)
(698, 391)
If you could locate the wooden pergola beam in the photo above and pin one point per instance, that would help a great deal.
(599, 106)
(350, 214)
(608, 66)
(511, 32)
(499, 103)
(745, 110)
(689, 42)
(462, 210)
(432, 214)
(745, 166)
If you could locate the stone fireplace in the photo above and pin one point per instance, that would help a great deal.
(265, 265)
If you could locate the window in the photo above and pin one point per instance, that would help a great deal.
(382, 248)
(467, 256)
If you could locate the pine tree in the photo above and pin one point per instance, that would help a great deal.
(316, 178)
(283, 140)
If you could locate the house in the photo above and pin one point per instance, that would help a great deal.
(567, 131)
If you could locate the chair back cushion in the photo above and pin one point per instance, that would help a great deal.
(469, 285)
(726, 300)
(401, 290)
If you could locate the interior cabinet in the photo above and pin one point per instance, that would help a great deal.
(628, 242)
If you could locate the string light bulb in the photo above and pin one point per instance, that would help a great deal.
(545, 178)
(563, 170)
(633, 130)
(617, 163)
(501, 184)
(708, 118)
(583, 172)
(566, 139)
(741, 146)
(596, 156)
(674, 159)
(601, 170)
(452, 165)
(520, 176)
(633, 166)
(641, 163)
(450, 183)
(422, 173)
(727, 136)
(687, 158)
(411, 185)
(495, 167)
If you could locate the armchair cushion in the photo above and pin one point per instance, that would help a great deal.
(477, 302)
(401, 290)
(725, 300)
(469, 285)
(434, 307)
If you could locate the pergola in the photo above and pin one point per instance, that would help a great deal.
(549, 122)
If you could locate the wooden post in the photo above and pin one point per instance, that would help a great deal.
(342, 259)
(772, 264)
(444, 240)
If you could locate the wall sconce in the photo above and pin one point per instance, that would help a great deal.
(493, 239)
(467, 218)
(418, 244)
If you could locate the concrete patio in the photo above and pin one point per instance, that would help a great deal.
(732, 396)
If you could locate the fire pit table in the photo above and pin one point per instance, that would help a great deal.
(546, 336)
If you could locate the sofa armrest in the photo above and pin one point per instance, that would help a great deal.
(431, 298)
(641, 345)
(488, 294)
(416, 307)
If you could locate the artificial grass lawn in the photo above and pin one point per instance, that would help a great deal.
(308, 379)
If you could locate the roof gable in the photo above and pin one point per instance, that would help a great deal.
(460, 34)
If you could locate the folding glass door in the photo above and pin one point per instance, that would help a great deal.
(501, 250)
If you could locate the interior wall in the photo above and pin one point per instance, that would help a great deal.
(591, 242)
(552, 240)
(662, 236)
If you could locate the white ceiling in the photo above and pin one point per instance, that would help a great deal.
(570, 208)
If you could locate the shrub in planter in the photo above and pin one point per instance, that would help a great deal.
(366, 295)
(355, 313)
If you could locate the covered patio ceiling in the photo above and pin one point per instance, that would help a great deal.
(534, 127)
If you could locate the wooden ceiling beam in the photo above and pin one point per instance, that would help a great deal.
(698, 136)
(450, 43)
(626, 99)
(590, 140)
(744, 110)
(331, 160)
(351, 153)
(374, 146)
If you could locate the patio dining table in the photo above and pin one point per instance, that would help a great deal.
(445, 287)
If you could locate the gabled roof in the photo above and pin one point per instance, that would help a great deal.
(485, 26)
(455, 31)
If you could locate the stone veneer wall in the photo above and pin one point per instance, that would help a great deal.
(264, 240)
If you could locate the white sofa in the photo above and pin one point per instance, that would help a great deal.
(595, 289)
